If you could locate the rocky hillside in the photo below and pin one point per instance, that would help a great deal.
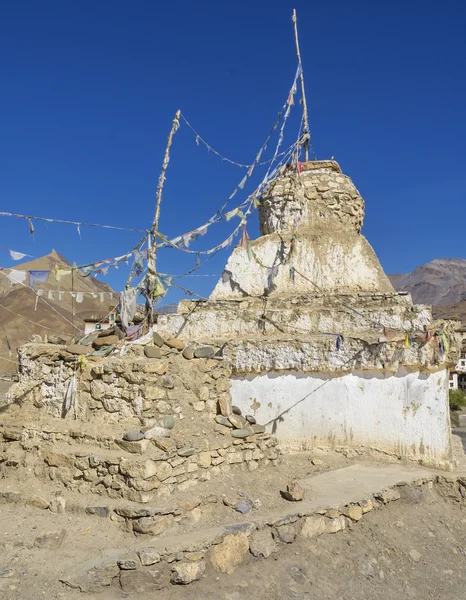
(441, 283)
(22, 314)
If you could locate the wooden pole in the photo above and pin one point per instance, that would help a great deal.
(307, 132)
(152, 255)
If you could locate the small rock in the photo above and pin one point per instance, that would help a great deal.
(108, 340)
(153, 526)
(50, 539)
(294, 492)
(258, 428)
(238, 421)
(99, 511)
(129, 562)
(313, 526)
(37, 502)
(137, 582)
(152, 352)
(133, 447)
(224, 405)
(158, 339)
(366, 505)
(242, 508)
(175, 343)
(189, 504)
(186, 452)
(388, 495)
(298, 574)
(250, 419)
(133, 436)
(353, 512)
(168, 421)
(78, 349)
(261, 544)
(188, 353)
(204, 352)
(335, 525)
(223, 420)
(168, 382)
(415, 555)
(148, 556)
(230, 500)
(242, 433)
(230, 553)
(236, 410)
(286, 533)
(156, 432)
(187, 572)
(317, 461)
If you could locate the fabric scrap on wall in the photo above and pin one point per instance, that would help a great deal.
(70, 396)
(128, 305)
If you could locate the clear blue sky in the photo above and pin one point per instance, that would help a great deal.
(89, 89)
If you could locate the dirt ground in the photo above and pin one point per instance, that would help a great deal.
(370, 560)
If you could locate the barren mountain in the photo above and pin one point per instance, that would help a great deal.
(440, 283)
(23, 314)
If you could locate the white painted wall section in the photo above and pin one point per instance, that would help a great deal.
(403, 414)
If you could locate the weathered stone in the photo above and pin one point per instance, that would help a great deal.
(168, 382)
(153, 526)
(94, 579)
(242, 507)
(332, 513)
(366, 505)
(223, 420)
(286, 533)
(50, 539)
(138, 469)
(133, 447)
(242, 433)
(317, 461)
(158, 339)
(156, 432)
(335, 525)
(148, 556)
(230, 553)
(313, 526)
(388, 495)
(224, 406)
(353, 512)
(188, 353)
(204, 352)
(137, 582)
(131, 512)
(152, 352)
(164, 470)
(294, 492)
(236, 410)
(11, 434)
(261, 544)
(78, 349)
(133, 436)
(99, 511)
(37, 502)
(108, 340)
(238, 421)
(186, 452)
(199, 406)
(415, 555)
(129, 562)
(250, 419)
(175, 343)
(204, 459)
(168, 422)
(258, 428)
(187, 572)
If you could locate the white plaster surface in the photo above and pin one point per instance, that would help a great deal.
(404, 414)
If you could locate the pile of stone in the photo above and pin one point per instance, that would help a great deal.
(241, 427)
(189, 352)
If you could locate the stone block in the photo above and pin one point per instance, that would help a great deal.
(158, 339)
(152, 352)
(148, 556)
(138, 582)
(153, 525)
(108, 340)
(313, 527)
(52, 540)
(187, 572)
(175, 343)
(138, 469)
(78, 349)
(230, 553)
(129, 562)
(261, 544)
(133, 447)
